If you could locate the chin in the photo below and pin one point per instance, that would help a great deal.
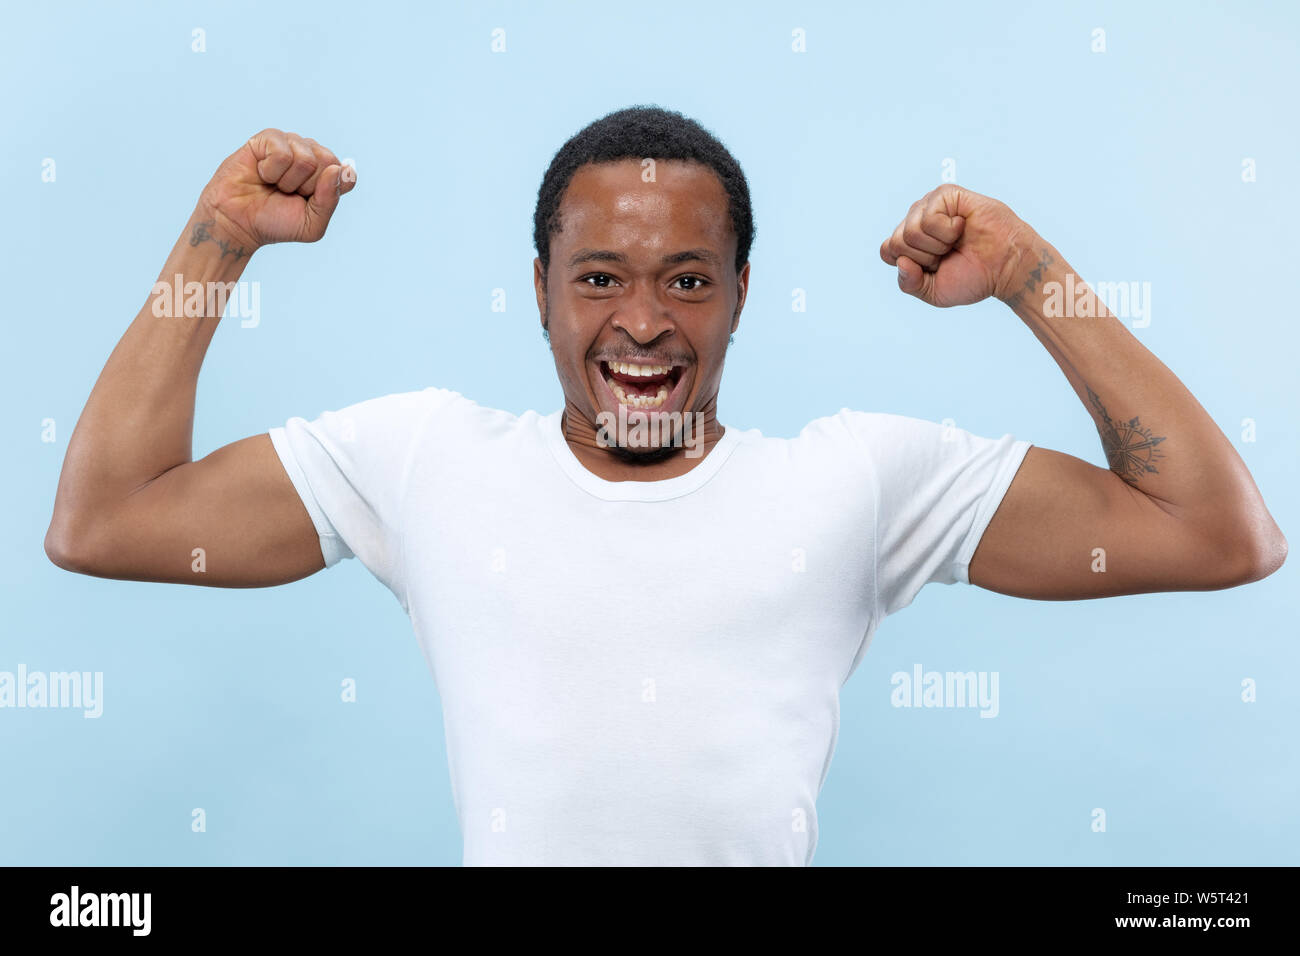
(642, 456)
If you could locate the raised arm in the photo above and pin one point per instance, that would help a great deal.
(1175, 510)
(131, 502)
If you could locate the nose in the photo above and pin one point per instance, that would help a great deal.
(643, 314)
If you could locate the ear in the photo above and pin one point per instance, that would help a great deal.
(539, 287)
(742, 287)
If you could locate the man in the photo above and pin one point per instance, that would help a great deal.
(639, 620)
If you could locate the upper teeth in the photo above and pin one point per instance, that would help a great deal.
(624, 369)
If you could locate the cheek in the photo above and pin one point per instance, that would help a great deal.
(713, 376)
(571, 366)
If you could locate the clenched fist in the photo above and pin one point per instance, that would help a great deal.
(277, 187)
(956, 247)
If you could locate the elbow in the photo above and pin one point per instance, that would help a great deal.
(67, 545)
(1255, 557)
(1270, 556)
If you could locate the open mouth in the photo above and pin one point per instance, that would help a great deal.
(641, 386)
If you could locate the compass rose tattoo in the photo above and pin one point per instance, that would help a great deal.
(1130, 448)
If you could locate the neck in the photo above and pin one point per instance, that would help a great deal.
(585, 440)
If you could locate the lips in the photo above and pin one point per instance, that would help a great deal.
(642, 386)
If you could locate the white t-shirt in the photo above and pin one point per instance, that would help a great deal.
(641, 672)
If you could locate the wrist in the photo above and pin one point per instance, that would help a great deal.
(1023, 270)
(204, 258)
(209, 226)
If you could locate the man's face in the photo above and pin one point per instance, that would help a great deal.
(642, 292)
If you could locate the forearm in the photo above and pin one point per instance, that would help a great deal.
(138, 421)
(1155, 434)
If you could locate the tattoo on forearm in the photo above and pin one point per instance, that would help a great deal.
(1035, 278)
(227, 247)
(1130, 448)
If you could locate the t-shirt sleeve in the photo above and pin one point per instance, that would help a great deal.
(350, 468)
(938, 487)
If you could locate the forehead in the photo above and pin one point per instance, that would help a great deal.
(614, 204)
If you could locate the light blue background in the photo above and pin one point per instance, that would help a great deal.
(1128, 161)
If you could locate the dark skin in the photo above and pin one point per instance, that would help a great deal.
(1176, 510)
(1193, 521)
(624, 302)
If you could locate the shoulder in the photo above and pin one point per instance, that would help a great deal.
(402, 411)
(866, 433)
(896, 450)
(840, 445)
(433, 417)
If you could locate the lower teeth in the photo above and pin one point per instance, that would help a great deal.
(638, 401)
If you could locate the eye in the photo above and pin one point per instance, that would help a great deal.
(699, 283)
(598, 275)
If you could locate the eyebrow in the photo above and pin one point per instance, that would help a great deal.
(608, 255)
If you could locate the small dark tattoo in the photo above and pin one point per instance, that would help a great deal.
(1130, 448)
(227, 247)
(1036, 274)
(1035, 278)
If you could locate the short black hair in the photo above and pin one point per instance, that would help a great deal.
(640, 132)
